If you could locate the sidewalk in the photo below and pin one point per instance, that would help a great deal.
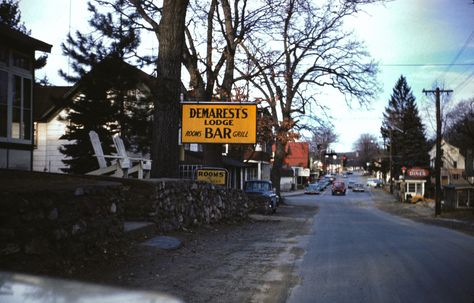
(292, 193)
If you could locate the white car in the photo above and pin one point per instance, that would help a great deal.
(373, 182)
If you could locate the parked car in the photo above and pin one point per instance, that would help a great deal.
(338, 187)
(323, 184)
(373, 182)
(358, 187)
(350, 184)
(313, 188)
(330, 178)
(262, 192)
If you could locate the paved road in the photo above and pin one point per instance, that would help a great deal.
(357, 253)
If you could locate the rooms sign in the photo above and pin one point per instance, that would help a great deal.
(212, 122)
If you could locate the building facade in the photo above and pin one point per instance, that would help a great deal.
(452, 164)
(17, 57)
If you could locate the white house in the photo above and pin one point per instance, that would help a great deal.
(49, 128)
(48, 112)
(452, 164)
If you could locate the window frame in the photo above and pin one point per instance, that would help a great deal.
(26, 114)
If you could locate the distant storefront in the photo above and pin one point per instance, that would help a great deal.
(414, 183)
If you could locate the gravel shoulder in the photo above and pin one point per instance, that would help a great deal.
(423, 212)
(251, 261)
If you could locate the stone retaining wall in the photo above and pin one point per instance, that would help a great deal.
(55, 214)
(82, 220)
(174, 204)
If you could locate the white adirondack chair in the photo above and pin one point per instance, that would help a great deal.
(122, 166)
(143, 166)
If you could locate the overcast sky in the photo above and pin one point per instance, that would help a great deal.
(416, 38)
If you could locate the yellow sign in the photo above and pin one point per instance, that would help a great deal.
(216, 176)
(213, 122)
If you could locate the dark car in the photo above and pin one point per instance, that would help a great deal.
(261, 191)
(338, 188)
(323, 184)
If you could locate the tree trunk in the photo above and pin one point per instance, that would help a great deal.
(165, 149)
(213, 155)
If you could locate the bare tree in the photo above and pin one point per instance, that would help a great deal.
(212, 32)
(429, 105)
(306, 49)
(210, 62)
(322, 137)
(367, 148)
(460, 126)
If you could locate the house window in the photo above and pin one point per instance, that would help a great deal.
(3, 103)
(3, 55)
(251, 173)
(21, 61)
(411, 187)
(455, 176)
(3, 158)
(188, 171)
(21, 109)
(455, 164)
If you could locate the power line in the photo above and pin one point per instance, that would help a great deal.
(464, 83)
(426, 64)
(459, 54)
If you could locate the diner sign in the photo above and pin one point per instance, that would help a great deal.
(417, 172)
(212, 122)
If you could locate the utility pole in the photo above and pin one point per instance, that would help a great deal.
(437, 93)
(391, 161)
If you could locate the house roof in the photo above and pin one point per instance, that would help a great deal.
(45, 96)
(120, 67)
(257, 156)
(45, 105)
(444, 144)
(11, 36)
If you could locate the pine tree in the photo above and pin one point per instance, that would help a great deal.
(105, 104)
(91, 111)
(403, 130)
(10, 16)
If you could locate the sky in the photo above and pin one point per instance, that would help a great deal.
(415, 38)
